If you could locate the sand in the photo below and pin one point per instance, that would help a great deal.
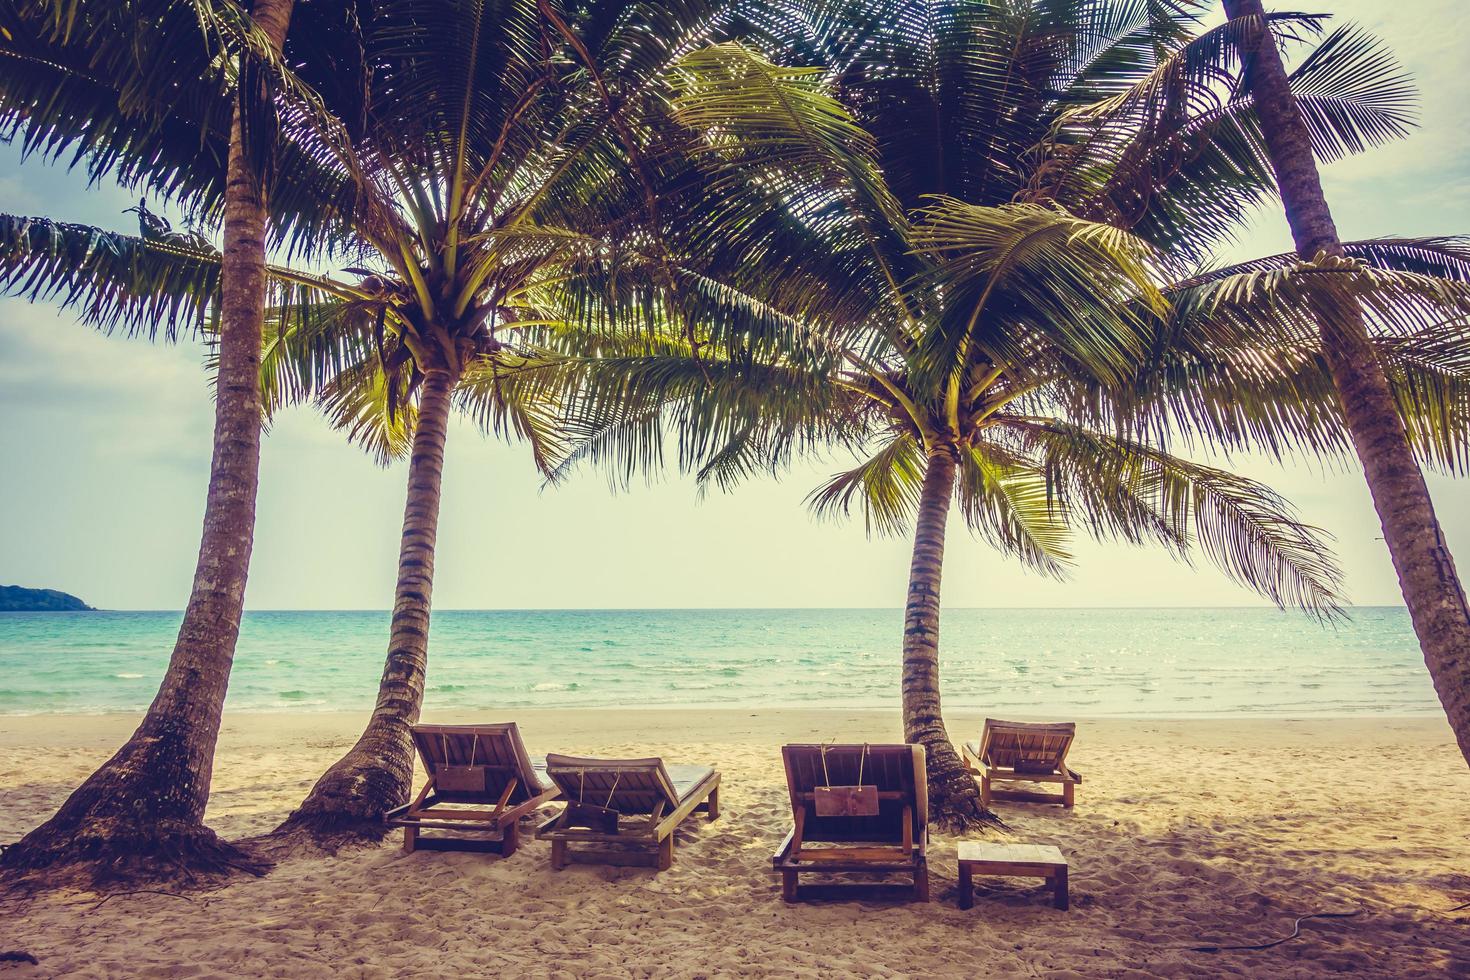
(1185, 832)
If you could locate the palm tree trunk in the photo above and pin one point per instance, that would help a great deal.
(1426, 571)
(141, 815)
(376, 773)
(953, 799)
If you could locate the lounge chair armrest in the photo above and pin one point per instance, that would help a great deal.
(784, 850)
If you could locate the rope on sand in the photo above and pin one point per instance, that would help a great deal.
(1296, 930)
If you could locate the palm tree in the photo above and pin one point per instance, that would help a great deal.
(146, 803)
(493, 158)
(1426, 570)
(1349, 94)
(1021, 356)
(480, 166)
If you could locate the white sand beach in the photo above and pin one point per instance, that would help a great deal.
(1185, 833)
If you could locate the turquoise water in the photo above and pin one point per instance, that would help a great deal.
(1087, 662)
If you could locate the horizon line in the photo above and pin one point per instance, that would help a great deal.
(544, 609)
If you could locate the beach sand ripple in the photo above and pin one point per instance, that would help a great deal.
(1185, 833)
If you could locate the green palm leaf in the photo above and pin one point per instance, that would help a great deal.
(885, 486)
(1008, 503)
(1129, 490)
(1021, 275)
(113, 282)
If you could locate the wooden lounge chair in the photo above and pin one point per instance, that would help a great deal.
(886, 827)
(1017, 751)
(625, 810)
(480, 780)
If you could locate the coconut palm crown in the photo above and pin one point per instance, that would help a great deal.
(999, 300)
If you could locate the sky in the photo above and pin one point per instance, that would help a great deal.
(105, 446)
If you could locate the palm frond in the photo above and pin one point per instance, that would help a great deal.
(1429, 374)
(113, 282)
(1443, 257)
(1329, 292)
(1178, 154)
(500, 392)
(885, 486)
(1130, 490)
(786, 158)
(1353, 93)
(726, 419)
(373, 408)
(310, 341)
(76, 88)
(1008, 503)
(1013, 274)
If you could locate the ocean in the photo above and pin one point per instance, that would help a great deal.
(1067, 662)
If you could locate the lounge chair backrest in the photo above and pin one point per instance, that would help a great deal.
(629, 786)
(496, 749)
(897, 771)
(1024, 746)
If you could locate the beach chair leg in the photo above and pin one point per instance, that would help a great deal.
(788, 886)
(967, 886)
(558, 855)
(666, 852)
(511, 838)
(985, 792)
(1068, 798)
(921, 883)
(410, 839)
(712, 805)
(1059, 896)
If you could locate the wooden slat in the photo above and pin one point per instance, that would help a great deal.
(482, 816)
(879, 861)
(1005, 743)
(632, 786)
(1011, 853)
(649, 844)
(882, 795)
(495, 748)
(891, 768)
(1025, 796)
(1021, 870)
(551, 831)
(493, 833)
(1011, 775)
(488, 821)
(691, 802)
(853, 855)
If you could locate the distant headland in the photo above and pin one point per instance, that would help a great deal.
(14, 598)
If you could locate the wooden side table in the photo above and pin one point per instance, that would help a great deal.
(1023, 860)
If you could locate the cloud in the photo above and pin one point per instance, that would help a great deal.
(118, 397)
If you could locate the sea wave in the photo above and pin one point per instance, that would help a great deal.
(1143, 663)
